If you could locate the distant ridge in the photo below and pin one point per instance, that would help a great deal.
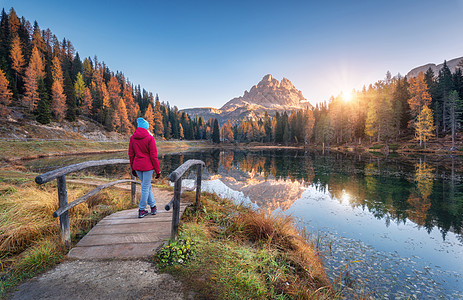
(452, 64)
(269, 95)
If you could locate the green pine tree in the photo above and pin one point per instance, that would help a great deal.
(216, 132)
(43, 107)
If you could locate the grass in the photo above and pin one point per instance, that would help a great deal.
(13, 150)
(239, 253)
(30, 236)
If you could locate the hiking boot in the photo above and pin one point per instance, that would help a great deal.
(154, 210)
(142, 213)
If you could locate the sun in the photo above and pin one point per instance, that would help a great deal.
(347, 96)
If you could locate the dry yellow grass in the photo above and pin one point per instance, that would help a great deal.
(27, 210)
(278, 231)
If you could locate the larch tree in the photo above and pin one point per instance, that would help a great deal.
(17, 59)
(87, 102)
(371, 128)
(34, 72)
(309, 122)
(5, 94)
(120, 121)
(58, 103)
(180, 132)
(149, 115)
(424, 125)
(157, 118)
(127, 95)
(114, 90)
(79, 89)
(419, 93)
(227, 132)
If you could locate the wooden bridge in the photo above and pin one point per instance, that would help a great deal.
(123, 234)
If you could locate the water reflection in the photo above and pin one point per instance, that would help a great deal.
(383, 212)
(427, 194)
(391, 190)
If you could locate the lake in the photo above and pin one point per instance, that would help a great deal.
(388, 227)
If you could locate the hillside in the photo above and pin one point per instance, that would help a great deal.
(269, 95)
(452, 64)
(20, 127)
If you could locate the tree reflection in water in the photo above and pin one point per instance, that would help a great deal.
(393, 190)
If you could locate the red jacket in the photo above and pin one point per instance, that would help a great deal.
(142, 151)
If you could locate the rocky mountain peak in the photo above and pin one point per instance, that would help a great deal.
(269, 95)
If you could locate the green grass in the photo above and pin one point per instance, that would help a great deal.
(238, 253)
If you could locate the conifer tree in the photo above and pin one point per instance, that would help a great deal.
(114, 90)
(149, 116)
(17, 59)
(308, 124)
(5, 41)
(34, 72)
(120, 121)
(87, 102)
(227, 132)
(444, 87)
(181, 134)
(79, 89)
(371, 128)
(71, 103)
(43, 107)
(58, 103)
(5, 94)
(455, 114)
(157, 118)
(127, 95)
(419, 95)
(424, 125)
(216, 132)
(87, 70)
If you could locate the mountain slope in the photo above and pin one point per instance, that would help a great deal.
(452, 64)
(269, 95)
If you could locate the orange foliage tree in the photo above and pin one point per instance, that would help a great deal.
(34, 72)
(157, 118)
(17, 58)
(419, 94)
(5, 94)
(58, 102)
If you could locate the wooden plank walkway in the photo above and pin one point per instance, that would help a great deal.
(123, 235)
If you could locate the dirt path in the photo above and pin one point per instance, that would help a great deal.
(100, 273)
(110, 279)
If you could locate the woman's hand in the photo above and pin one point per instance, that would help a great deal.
(157, 175)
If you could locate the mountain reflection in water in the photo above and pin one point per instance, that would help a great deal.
(395, 191)
(376, 217)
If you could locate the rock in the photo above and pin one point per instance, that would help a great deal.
(452, 64)
(269, 95)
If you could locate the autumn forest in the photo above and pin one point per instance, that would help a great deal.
(47, 80)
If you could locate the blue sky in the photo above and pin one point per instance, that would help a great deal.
(204, 53)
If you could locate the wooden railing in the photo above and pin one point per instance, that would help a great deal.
(63, 211)
(64, 206)
(176, 178)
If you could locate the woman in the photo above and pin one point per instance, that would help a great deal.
(144, 160)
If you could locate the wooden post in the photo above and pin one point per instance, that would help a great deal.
(176, 208)
(133, 187)
(198, 186)
(64, 218)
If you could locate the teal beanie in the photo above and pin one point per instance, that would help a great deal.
(142, 123)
